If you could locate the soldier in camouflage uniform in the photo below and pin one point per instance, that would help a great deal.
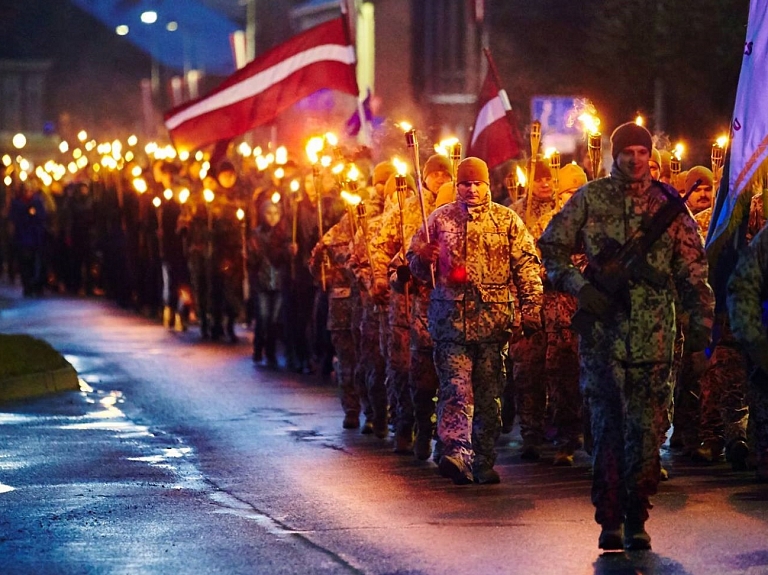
(627, 352)
(333, 251)
(422, 376)
(747, 302)
(371, 364)
(399, 306)
(721, 389)
(477, 248)
(529, 352)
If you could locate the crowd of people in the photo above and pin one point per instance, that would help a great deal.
(446, 307)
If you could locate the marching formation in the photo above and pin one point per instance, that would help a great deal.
(445, 307)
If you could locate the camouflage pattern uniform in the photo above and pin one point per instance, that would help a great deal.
(422, 376)
(399, 312)
(482, 250)
(625, 365)
(723, 402)
(334, 248)
(529, 353)
(747, 302)
(371, 366)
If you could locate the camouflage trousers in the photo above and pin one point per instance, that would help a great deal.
(370, 369)
(398, 365)
(758, 405)
(561, 373)
(344, 362)
(724, 411)
(423, 386)
(627, 404)
(530, 387)
(468, 405)
(686, 413)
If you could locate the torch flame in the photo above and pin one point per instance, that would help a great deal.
(590, 123)
(183, 195)
(445, 146)
(549, 152)
(281, 155)
(522, 179)
(353, 173)
(331, 138)
(275, 197)
(168, 194)
(351, 199)
(722, 141)
(640, 121)
(240, 213)
(313, 148)
(156, 202)
(404, 126)
(400, 166)
(140, 185)
(208, 195)
(294, 186)
(279, 173)
(679, 150)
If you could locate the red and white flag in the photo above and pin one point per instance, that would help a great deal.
(321, 57)
(494, 138)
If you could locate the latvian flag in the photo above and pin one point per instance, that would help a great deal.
(321, 57)
(493, 138)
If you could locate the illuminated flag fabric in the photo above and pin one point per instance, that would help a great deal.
(748, 148)
(494, 138)
(321, 57)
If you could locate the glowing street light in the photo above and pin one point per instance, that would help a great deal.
(19, 141)
(122, 30)
(148, 17)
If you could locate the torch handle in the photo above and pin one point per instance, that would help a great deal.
(417, 168)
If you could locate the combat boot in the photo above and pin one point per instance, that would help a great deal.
(530, 450)
(167, 317)
(564, 457)
(710, 451)
(611, 539)
(403, 443)
(486, 475)
(422, 448)
(454, 468)
(737, 453)
(367, 428)
(636, 538)
(351, 421)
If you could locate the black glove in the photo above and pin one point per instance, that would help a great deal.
(403, 274)
(592, 301)
(531, 323)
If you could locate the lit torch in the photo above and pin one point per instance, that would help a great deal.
(675, 162)
(294, 187)
(401, 186)
(554, 165)
(535, 140)
(717, 158)
(413, 145)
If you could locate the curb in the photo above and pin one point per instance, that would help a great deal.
(37, 384)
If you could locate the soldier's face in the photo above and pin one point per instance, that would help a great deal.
(701, 198)
(473, 193)
(655, 170)
(271, 214)
(542, 189)
(633, 161)
(436, 179)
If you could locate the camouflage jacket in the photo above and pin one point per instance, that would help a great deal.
(606, 211)
(483, 251)
(747, 295)
(333, 252)
(541, 214)
(756, 216)
(703, 218)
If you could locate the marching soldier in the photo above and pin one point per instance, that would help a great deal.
(747, 299)
(626, 350)
(477, 250)
(529, 351)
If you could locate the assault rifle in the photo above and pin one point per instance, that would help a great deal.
(616, 265)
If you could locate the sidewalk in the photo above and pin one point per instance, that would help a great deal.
(29, 367)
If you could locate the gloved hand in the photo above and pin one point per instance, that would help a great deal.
(696, 340)
(428, 253)
(758, 353)
(592, 301)
(403, 274)
(531, 322)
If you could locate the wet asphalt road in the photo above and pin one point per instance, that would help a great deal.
(178, 456)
